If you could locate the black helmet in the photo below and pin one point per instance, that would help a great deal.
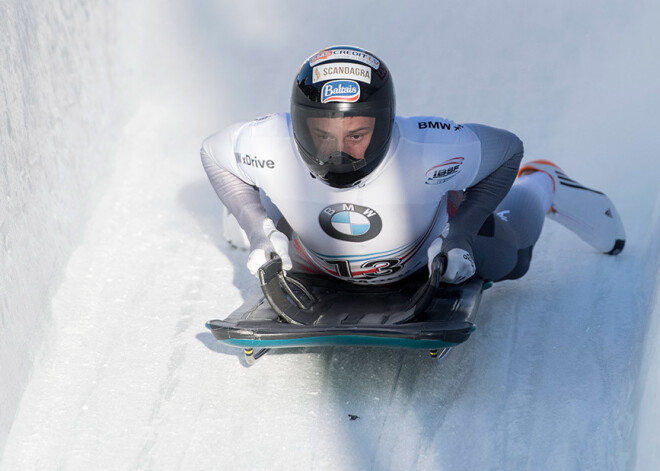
(342, 111)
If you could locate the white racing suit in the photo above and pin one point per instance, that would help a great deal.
(378, 231)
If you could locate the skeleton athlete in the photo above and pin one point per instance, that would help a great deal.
(341, 186)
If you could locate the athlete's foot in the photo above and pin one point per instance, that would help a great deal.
(587, 212)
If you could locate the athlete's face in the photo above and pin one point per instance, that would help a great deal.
(350, 134)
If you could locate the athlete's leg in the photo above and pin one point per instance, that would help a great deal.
(503, 248)
(589, 213)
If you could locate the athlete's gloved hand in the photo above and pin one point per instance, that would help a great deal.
(458, 266)
(274, 242)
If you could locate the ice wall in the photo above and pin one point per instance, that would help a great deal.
(58, 111)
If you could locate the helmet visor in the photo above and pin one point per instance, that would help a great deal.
(340, 142)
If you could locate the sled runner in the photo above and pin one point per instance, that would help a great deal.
(305, 311)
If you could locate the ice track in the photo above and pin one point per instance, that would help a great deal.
(562, 371)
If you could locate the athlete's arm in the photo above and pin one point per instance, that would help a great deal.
(243, 201)
(501, 153)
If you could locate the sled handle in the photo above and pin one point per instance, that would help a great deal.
(425, 294)
(277, 289)
(438, 268)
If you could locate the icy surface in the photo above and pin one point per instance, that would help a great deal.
(562, 372)
(59, 115)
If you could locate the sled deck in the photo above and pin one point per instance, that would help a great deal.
(316, 311)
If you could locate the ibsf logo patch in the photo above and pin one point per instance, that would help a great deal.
(340, 90)
(444, 171)
(350, 222)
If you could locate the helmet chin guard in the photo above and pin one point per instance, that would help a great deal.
(342, 112)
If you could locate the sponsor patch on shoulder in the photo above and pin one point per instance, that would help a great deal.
(340, 90)
(342, 70)
(443, 172)
(253, 161)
